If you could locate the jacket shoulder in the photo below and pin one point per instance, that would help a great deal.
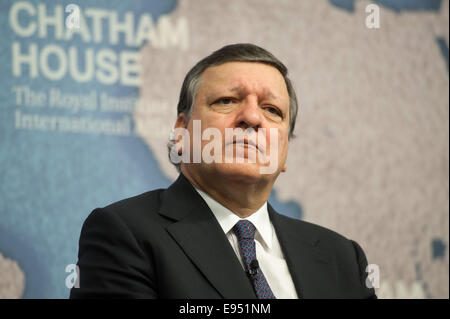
(137, 215)
(311, 230)
(136, 206)
(336, 246)
(346, 255)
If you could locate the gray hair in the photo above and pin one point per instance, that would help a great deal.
(241, 52)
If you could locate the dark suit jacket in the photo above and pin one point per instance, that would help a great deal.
(167, 244)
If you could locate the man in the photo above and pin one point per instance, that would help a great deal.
(212, 234)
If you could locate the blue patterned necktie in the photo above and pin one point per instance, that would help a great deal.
(245, 232)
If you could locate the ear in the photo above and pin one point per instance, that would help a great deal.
(182, 121)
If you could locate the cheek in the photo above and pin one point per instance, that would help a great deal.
(212, 131)
(284, 152)
(211, 119)
(279, 142)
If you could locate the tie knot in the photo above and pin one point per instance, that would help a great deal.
(244, 229)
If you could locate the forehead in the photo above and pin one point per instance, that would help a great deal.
(244, 77)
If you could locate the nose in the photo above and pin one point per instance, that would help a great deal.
(249, 114)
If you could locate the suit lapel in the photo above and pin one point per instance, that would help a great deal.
(200, 236)
(311, 270)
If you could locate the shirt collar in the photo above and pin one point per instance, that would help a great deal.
(227, 219)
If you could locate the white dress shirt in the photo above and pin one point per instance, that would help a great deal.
(268, 251)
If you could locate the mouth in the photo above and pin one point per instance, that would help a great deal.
(247, 143)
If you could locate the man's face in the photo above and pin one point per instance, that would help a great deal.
(240, 95)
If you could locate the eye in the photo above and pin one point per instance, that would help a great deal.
(225, 100)
(273, 110)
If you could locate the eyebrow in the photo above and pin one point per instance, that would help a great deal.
(240, 90)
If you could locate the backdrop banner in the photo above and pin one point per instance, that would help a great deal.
(88, 97)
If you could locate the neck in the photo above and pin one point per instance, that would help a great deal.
(241, 198)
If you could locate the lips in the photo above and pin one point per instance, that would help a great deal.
(248, 142)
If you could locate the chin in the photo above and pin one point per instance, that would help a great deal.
(245, 172)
